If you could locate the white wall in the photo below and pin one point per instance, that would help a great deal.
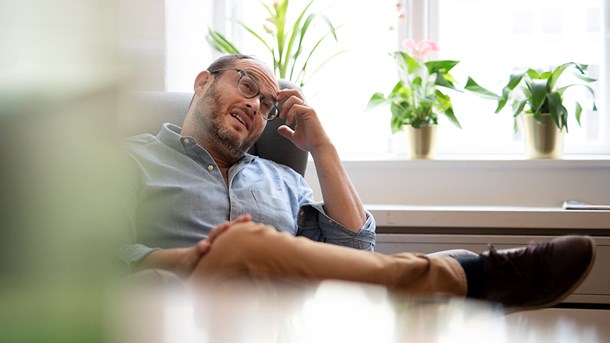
(537, 183)
(142, 43)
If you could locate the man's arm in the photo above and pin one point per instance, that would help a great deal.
(341, 201)
(183, 261)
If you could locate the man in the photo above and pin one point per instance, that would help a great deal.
(224, 120)
(207, 210)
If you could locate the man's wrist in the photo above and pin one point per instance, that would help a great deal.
(323, 149)
(160, 259)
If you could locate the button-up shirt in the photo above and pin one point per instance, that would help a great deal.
(180, 195)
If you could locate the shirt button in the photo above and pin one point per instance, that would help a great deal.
(186, 141)
(301, 213)
(210, 167)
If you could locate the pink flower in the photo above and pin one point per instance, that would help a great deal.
(420, 49)
(409, 44)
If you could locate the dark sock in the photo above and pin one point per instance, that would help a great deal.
(473, 268)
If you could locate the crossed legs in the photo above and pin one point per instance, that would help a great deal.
(259, 251)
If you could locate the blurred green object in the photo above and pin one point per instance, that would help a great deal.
(59, 171)
(60, 219)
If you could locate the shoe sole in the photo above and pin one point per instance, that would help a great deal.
(562, 297)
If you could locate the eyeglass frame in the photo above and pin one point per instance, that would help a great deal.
(243, 73)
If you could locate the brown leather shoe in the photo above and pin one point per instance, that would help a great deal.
(539, 275)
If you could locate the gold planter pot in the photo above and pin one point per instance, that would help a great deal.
(543, 140)
(422, 142)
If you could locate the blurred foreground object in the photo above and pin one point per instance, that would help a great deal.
(156, 309)
(58, 200)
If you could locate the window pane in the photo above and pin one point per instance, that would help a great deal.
(494, 38)
(341, 89)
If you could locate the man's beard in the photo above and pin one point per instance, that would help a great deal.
(211, 123)
(226, 141)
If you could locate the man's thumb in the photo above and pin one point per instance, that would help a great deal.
(285, 131)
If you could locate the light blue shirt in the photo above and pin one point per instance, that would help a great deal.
(181, 195)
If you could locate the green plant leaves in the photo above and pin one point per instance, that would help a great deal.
(472, 86)
(557, 111)
(518, 107)
(290, 54)
(407, 63)
(416, 99)
(376, 100)
(537, 92)
(444, 101)
(220, 43)
(441, 66)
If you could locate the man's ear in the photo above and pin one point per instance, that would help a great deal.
(201, 81)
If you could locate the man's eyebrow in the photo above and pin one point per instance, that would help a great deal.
(259, 82)
(266, 95)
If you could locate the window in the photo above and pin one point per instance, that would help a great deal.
(490, 38)
(520, 34)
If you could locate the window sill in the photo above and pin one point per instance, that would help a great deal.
(491, 158)
(489, 217)
(478, 182)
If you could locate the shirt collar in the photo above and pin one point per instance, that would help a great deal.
(170, 135)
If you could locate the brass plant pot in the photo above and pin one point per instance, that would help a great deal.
(422, 142)
(543, 140)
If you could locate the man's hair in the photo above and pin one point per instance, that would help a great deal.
(228, 61)
(225, 61)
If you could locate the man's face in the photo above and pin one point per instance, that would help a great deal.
(233, 121)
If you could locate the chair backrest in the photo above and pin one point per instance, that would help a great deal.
(147, 111)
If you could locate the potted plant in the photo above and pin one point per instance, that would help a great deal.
(290, 46)
(416, 101)
(537, 98)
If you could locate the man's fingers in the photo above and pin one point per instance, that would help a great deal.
(242, 219)
(217, 231)
(293, 105)
(203, 246)
(287, 93)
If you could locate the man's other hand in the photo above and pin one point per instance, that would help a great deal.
(182, 261)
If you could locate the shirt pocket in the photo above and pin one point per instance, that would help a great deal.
(275, 210)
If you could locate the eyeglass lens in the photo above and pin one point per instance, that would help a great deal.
(249, 88)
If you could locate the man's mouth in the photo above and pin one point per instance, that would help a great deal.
(240, 119)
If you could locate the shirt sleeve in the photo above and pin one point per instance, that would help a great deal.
(315, 224)
(129, 252)
(132, 254)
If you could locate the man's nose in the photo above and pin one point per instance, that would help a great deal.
(254, 105)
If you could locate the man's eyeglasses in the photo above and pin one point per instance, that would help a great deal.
(250, 89)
